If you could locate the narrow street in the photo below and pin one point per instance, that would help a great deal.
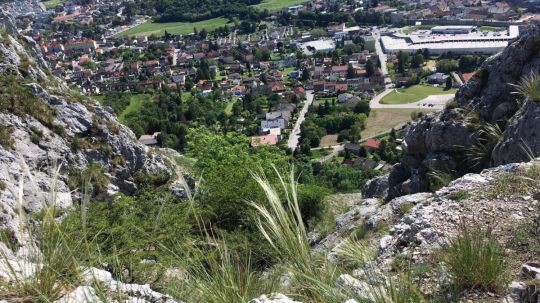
(378, 48)
(294, 137)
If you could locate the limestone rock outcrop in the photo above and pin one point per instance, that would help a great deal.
(46, 142)
(440, 144)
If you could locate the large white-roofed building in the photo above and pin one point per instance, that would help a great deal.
(473, 42)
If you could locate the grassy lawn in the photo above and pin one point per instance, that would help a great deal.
(414, 93)
(52, 3)
(229, 107)
(176, 28)
(276, 5)
(381, 120)
(135, 105)
(491, 29)
(287, 71)
(319, 153)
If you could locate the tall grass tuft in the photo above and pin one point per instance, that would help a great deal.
(281, 224)
(49, 265)
(224, 277)
(487, 137)
(475, 260)
(529, 87)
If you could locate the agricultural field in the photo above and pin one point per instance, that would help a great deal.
(176, 28)
(276, 5)
(381, 120)
(414, 93)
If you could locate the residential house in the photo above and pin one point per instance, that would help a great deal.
(149, 140)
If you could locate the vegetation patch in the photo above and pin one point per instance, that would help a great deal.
(476, 260)
(414, 93)
(521, 182)
(175, 28)
(17, 99)
(459, 195)
(5, 137)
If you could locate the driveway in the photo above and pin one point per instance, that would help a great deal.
(294, 137)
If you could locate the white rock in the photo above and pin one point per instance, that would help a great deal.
(273, 298)
(81, 294)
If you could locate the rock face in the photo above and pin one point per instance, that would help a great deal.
(81, 132)
(439, 143)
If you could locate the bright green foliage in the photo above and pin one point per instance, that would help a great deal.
(226, 164)
(341, 178)
(475, 260)
(145, 227)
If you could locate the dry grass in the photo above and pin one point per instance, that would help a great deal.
(328, 140)
(381, 120)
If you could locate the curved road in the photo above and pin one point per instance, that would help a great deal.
(294, 137)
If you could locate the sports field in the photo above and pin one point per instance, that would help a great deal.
(176, 28)
(414, 93)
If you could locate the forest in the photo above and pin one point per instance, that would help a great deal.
(198, 10)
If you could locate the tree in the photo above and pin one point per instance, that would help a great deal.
(370, 69)
(351, 72)
(417, 60)
(449, 82)
(447, 65)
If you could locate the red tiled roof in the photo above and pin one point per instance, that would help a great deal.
(467, 76)
(373, 143)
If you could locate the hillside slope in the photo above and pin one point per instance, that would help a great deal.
(45, 127)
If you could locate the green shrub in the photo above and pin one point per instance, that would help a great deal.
(482, 75)
(94, 174)
(5, 137)
(405, 209)
(475, 260)
(452, 104)
(529, 87)
(16, 98)
(459, 195)
(437, 180)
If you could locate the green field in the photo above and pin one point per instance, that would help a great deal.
(135, 105)
(52, 3)
(176, 28)
(229, 107)
(414, 93)
(491, 29)
(276, 5)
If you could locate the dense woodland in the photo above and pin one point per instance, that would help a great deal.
(197, 10)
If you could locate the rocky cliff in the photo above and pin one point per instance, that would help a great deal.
(47, 127)
(490, 123)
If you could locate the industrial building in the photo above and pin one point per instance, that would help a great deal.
(472, 42)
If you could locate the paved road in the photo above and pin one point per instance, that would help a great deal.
(294, 137)
(438, 101)
(378, 48)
